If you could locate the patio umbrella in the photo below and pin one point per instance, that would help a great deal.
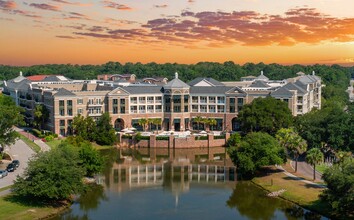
(125, 129)
(132, 129)
(203, 132)
(129, 132)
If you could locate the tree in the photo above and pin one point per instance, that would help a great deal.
(265, 115)
(51, 175)
(212, 122)
(157, 122)
(291, 141)
(313, 157)
(256, 150)
(105, 133)
(198, 120)
(340, 187)
(234, 140)
(9, 116)
(90, 159)
(143, 122)
(84, 127)
(41, 115)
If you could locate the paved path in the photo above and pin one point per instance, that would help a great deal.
(19, 151)
(299, 178)
(38, 141)
(305, 169)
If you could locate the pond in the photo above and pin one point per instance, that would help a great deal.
(177, 184)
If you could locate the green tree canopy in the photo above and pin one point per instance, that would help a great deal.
(51, 175)
(340, 188)
(10, 115)
(84, 127)
(313, 157)
(105, 133)
(41, 115)
(257, 149)
(292, 142)
(265, 115)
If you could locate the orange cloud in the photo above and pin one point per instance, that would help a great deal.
(7, 5)
(44, 6)
(110, 4)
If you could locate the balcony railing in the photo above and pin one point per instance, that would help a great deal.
(133, 111)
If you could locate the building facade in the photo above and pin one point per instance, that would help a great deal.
(175, 103)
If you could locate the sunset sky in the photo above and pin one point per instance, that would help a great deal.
(182, 31)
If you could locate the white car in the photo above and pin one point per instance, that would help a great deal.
(3, 173)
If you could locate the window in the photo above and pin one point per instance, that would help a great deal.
(142, 100)
(90, 101)
(195, 99)
(232, 100)
(177, 109)
(232, 109)
(150, 99)
(177, 99)
(221, 109)
(91, 111)
(80, 101)
(133, 100)
(211, 99)
(194, 108)
(61, 103)
(221, 99)
(122, 109)
(158, 99)
(69, 103)
(240, 101)
(158, 108)
(79, 111)
(150, 108)
(122, 101)
(133, 109)
(70, 112)
(186, 108)
(142, 109)
(98, 101)
(115, 110)
(62, 123)
(203, 99)
(212, 108)
(186, 99)
(203, 108)
(115, 101)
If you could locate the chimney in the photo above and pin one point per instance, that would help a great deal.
(176, 75)
(21, 73)
(313, 73)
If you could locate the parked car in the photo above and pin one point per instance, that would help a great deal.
(11, 167)
(16, 163)
(3, 173)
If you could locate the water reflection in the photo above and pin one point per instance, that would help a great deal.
(176, 184)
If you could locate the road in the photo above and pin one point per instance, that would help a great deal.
(19, 151)
(306, 169)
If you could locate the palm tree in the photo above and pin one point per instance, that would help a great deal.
(212, 122)
(313, 157)
(198, 120)
(142, 122)
(157, 122)
(292, 141)
(150, 121)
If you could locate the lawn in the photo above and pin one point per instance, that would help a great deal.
(12, 208)
(321, 167)
(54, 143)
(30, 143)
(301, 193)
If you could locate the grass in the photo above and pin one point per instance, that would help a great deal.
(322, 167)
(101, 147)
(301, 193)
(54, 143)
(12, 207)
(30, 143)
(5, 188)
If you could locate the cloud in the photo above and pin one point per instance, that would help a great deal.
(160, 6)
(110, 4)
(249, 28)
(44, 6)
(7, 5)
(72, 3)
(68, 37)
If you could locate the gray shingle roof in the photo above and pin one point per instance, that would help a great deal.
(307, 79)
(23, 84)
(64, 92)
(212, 81)
(205, 90)
(259, 84)
(143, 89)
(176, 84)
(281, 92)
(292, 86)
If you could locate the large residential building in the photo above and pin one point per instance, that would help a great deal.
(175, 102)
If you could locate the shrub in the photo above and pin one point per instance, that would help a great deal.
(219, 137)
(200, 138)
(162, 138)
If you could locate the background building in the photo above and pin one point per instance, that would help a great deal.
(176, 103)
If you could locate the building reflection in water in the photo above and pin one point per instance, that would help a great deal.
(173, 169)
